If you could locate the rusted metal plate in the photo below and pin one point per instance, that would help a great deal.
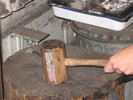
(24, 73)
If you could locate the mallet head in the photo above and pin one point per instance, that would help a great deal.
(53, 58)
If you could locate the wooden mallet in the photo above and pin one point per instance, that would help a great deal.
(54, 61)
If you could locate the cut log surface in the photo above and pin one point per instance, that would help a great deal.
(23, 77)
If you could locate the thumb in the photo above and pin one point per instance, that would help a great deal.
(109, 68)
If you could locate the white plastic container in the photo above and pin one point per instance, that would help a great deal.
(103, 21)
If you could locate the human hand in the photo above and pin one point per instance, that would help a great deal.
(121, 62)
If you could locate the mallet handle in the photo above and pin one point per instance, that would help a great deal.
(89, 62)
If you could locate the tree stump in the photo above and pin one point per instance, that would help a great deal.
(23, 78)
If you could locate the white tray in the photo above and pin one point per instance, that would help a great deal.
(103, 21)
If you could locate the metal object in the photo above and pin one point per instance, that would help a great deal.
(108, 89)
(108, 21)
(20, 39)
(102, 40)
(65, 26)
(103, 35)
(9, 6)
